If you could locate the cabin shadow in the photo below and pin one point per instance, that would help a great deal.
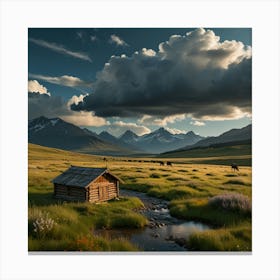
(42, 198)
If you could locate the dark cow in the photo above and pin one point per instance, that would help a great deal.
(234, 167)
(161, 163)
(169, 163)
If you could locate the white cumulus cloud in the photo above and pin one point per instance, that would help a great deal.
(84, 119)
(75, 99)
(119, 127)
(197, 123)
(35, 86)
(150, 120)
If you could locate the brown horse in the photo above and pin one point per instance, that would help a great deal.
(234, 167)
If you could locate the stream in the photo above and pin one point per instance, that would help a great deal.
(163, 232)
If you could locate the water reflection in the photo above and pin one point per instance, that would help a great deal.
(184, 230)
(157, 239)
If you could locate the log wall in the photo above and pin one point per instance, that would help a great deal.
(102, 189)
(69, 193)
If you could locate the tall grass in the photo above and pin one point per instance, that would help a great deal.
(83, 242)
(231, 202)
(232, 239)
(71, 220)
(201, 210)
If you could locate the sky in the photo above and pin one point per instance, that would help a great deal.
(115, 79)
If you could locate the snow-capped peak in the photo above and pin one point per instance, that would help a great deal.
(40, 123)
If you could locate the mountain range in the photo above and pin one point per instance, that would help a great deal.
(231, 137)
(57, 133)
(157, 141)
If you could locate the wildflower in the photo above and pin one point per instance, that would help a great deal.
(43, 224)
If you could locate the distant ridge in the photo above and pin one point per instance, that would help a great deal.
(231, 137)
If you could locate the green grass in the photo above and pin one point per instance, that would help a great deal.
(73, 219)
(188, 185)
(199, 209)
(236, 182)
(230, 239)
(217, 155)
(81, 243)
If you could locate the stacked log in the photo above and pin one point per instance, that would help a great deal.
(69, 193)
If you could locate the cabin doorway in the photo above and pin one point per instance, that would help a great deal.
(103, 193)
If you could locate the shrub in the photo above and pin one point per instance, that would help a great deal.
(231, 202)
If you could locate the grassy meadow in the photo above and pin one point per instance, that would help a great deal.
(210, 193)
(225, 155)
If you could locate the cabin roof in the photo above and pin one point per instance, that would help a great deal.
(78, 176)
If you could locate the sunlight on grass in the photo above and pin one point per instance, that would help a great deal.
(187, 186)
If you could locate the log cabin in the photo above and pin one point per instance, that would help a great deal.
(86, 184)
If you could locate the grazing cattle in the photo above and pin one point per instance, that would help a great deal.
(234, 167)
(161, 163)
(169, 163)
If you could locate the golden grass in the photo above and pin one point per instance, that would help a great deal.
(186, 179)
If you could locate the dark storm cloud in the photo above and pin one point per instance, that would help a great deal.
(194, 74)
(44, 105)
